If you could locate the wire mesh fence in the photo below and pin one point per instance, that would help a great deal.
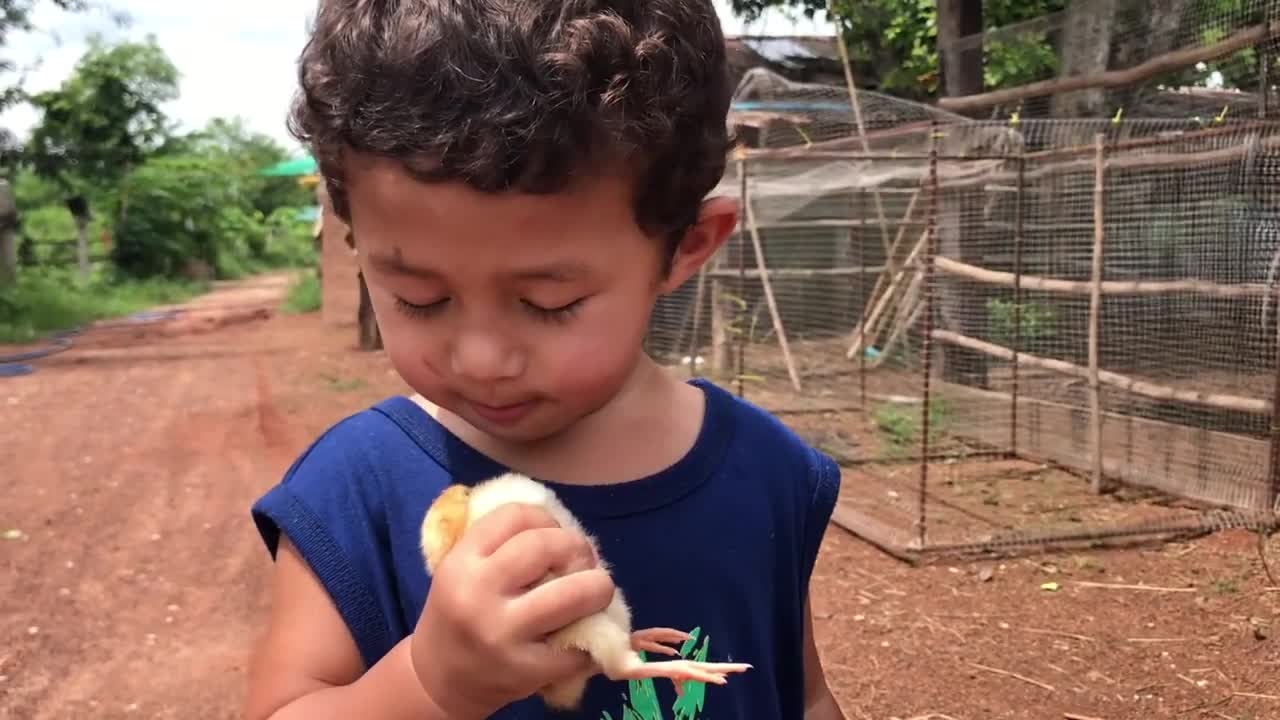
(1008, 332)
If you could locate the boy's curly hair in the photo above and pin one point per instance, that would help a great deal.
(523, 95)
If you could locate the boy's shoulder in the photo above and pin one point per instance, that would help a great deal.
(356, 464)
(760, 436)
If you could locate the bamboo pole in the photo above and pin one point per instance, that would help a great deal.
(1095, 307)
(740, 342)
(699, 297)
(931, 253)
(864, 300)
(1144, 388)
(981, 170)
(1018, 241)
(1107, 287)
(767, 285)
(803, 272)
(857, 118)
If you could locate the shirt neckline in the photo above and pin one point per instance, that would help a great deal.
(467, 465)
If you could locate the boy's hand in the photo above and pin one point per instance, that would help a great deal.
(479, 644)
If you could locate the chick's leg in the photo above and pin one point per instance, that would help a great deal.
(653, 639)
(678, 671)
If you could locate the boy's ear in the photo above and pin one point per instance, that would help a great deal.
(716, 221)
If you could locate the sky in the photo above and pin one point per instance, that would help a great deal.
(236, 57)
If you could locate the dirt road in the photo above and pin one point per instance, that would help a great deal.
(132, 574)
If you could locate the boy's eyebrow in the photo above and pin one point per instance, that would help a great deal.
(395, 264)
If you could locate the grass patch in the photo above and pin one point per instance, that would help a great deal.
(304, 294)
(48, 300)
(900, 425)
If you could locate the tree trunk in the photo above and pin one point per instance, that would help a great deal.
(8, 256)
(370, 336)
(962, 72)
(1160, 20)
(82, 248)
(962, 304)
(1086, 50)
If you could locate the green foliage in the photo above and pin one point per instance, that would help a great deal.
(894, 42)
(192, 211)
(900, 425)
(106, 118)
(15, 16)
(1036, 321)
(173, 218)
(51, 299)
(304, 294)
(1239, 70)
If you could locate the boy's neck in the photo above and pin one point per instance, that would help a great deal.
(651, 422)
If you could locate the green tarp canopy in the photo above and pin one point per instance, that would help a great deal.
(300, 166)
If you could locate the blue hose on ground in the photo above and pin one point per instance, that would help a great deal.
(61, 341)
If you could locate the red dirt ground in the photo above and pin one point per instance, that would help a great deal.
(134, 580)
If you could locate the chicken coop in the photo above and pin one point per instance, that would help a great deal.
(1006, 330)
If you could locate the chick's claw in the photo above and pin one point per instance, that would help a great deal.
(655, 640)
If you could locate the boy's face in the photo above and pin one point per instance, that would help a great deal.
(520, 314)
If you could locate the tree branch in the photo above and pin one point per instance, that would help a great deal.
(1167, 62)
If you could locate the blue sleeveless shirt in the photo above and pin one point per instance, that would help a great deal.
(721, 545)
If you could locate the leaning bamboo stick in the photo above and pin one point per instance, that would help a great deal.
(898, 332)
(1095, 306)
(909, 304)
(767, 284)
(882, 303)
(891, 270)
(1124, 382)
(1107, 287)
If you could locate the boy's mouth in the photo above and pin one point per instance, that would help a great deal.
(503, 414)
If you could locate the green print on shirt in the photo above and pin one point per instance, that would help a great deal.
(642, 698)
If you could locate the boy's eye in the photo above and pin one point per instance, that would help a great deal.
(562, 312)
(417, 309)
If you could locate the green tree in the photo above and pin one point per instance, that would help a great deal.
(246, 152)
(106, 118)
(15, 17)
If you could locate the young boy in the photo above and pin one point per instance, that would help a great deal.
(524, 178)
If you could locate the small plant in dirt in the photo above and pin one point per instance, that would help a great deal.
(338, 384)
(304, 294)
(900, 425)
(1226, 586)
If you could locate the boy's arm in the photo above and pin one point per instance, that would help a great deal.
(308, 666)
(819, 703)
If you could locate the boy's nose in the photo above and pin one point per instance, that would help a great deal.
(483, 357)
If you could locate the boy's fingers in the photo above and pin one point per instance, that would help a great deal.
(529, 556)
(494, 529)
(549, 607)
